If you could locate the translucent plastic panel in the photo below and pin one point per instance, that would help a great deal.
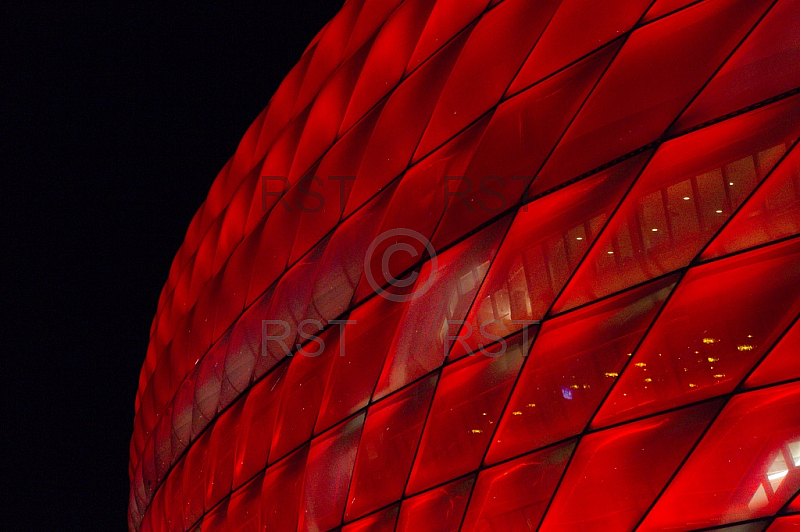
(577, 28)
(326, 115)
(771, 213)
(148, 479)
(418, 204)
(355, 372)
(794, 506)
(156, 512)
(546, 241)
(681, 199)
(751, 526)
(572, 365)
(342, 265)
(288, 306)
(233, 286)
(216, 519)
(257, 425)
(234, 280)
(182, 415)
(202, 326)
(660, 68)
(387, 58)
(281, 493)
(221, 455)
(485, 67)
(616, 474)
(520, 135)
(467, 405)
(329, 52)
(240, 361)
(709, 335)
(514, 495)
(272, 253)
(665, 7)
(443, 293)
(785, 524)
(388, 445)
(173, 498)
(330, 464)
(235, 218)
(382, 521)
(194, 473)
(397, 132)
(277, 162)
(746, 466)
(438, 510)
(244, 508)
(204, 261)
(372, 15)
(447, 19)
(207, 388)
(249, 360)
(765, 65)
(326, 196)
(781, 363)
(162, 445)
(302, 392)
(279, 111)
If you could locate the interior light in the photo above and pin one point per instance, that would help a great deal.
(794, 448)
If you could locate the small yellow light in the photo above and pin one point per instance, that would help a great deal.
(579, 238)
(719, 376)
(531, 405)
(692, 385)
(654, 229)
(744, 347)
(612, 374)
(516, 413)
(718, 211)
(712, 359)
(610, 252)
(708, 340)
(648, 379)
(477, 431)
(640, 364)
(686, 198)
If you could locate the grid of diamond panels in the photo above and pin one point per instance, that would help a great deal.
(609, 338)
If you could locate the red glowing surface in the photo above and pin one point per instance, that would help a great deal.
(605, 205)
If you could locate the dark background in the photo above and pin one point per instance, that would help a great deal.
(116, 119)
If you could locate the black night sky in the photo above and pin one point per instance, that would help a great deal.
(116, 118)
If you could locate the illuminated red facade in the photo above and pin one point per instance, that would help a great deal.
(598, 204)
